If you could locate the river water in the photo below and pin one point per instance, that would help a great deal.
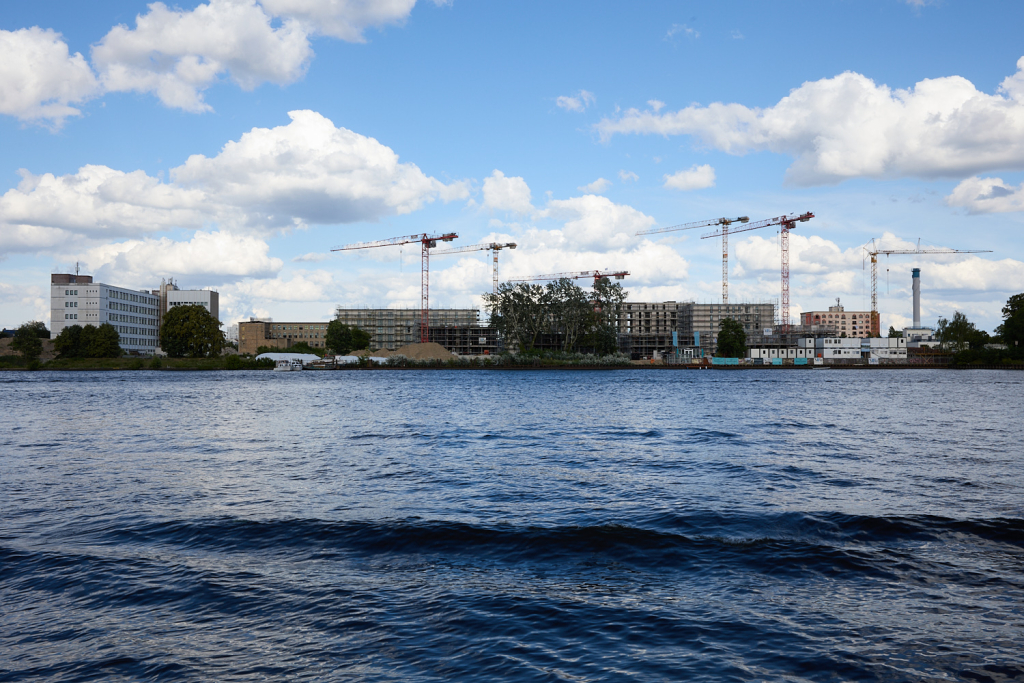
(644, 525)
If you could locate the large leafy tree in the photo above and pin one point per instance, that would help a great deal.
(1012, 329)
(102, 341)
(959, 333)
(607, 299)
(28, 340)
(519, 312)
(76, 341)
(191, 331)
(342, 338)
(732, 339)
(570, 311)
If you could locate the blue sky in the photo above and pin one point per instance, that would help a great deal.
(232, 143)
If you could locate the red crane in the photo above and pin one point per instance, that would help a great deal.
(428, 242)
(786, 224)
(494, 247)
(725, 223)
(596, 274)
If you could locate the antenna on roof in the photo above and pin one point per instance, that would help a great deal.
(76, 267)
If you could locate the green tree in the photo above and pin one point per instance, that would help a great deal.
(894, 333)
(607, 300)
(68, 344)
(956, 334)
(76, 341)
(1012, 329)
(519, 311)
(732, 340)
(343, 339)
(190, 331)
(102, 341)
(27, 340)
(570, 311)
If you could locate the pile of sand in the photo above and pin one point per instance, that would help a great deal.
(379, 353)
(428, 351)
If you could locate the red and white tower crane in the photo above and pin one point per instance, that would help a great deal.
(493, 247)
(596, 274)
(427, 242)
(785, 223)
(724, 231)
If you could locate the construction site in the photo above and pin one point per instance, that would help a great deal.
(670, 331)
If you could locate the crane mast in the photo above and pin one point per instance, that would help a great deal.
(785, 223)
(493, 247)
(873, 253)
(724, 223)
(427, 242)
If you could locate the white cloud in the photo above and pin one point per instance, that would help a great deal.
(695, 178)
(578, 102)
(628, 176)
(211, 257)
(811, 255)
(848, 126)
(596, 223)
(39, 79)
(987, 195)
(656, 105)
(30, 303)
(312, 172)
(176, 54)
(308, 171)
(344, 19)
(96, 202)
(503, 193)
(596, 187)
(311, 257)
(681, 29)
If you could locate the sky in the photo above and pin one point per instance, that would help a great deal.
(231, 144)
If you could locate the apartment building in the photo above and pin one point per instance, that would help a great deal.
(837, 320)
(279, 335)
(390, 328)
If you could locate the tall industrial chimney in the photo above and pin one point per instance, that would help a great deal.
(917, 298)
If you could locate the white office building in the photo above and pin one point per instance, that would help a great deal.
(77, 300)
(203, 297)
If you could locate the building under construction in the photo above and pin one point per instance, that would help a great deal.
(456, 329)
(673, 329)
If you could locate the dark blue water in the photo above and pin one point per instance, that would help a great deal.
(522, 526)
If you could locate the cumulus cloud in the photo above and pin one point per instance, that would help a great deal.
(176, 54)
(39, 78)
(306, 172)
(344, 19)
(503, 193)
(628, 176)
(848, 126)
(987, 195)
(596, 223)
(578, 102)
(211, 257)
(596, 187)
(695, 178)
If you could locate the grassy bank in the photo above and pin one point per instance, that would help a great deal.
(222, 363)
